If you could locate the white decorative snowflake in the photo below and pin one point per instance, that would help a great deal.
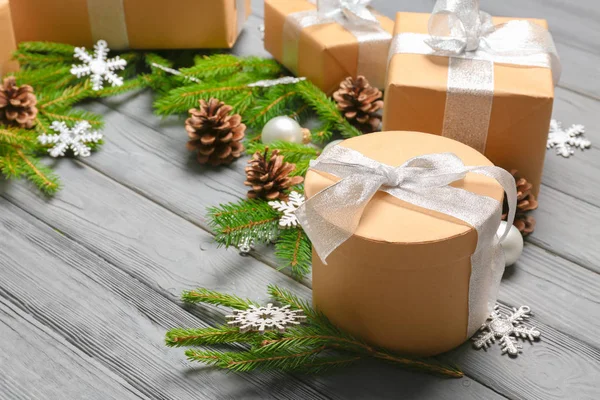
(74, 138)
(288, 219)
(98, 66)
(565, 140)
(502, 327)
(263, 319)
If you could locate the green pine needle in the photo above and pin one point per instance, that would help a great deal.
(202, 295)
(295, 250)
(235, 223)
(209, 336)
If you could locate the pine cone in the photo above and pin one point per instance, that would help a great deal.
(526, 202)
(359, 102)
(17, 104)
(268, 175)
(214, 134)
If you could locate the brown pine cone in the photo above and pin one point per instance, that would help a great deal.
(17, 104)
(526, 202)
(359, 102)
(268, 175)
(214, 134)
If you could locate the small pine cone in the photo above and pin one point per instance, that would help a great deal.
(359, 102)
(525, 224)
(526, 202)
(214, 134)
(268, 176)
(17, 104)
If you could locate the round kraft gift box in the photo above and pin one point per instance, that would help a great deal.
(401, 281)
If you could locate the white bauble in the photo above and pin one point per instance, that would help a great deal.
(283, 129)
(332, 143)
(512, 244)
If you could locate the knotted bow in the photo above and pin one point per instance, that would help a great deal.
(331, 216)
(457, 28)
(353, 12)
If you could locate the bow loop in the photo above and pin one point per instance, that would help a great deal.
(353, 12)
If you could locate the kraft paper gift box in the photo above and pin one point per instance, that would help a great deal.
(326, 53)
(521, 109)
(7, 40)
(402, 280)
(135, 24)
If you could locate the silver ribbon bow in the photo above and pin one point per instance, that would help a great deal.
(457, 29)
(356, 17)
(331, 216)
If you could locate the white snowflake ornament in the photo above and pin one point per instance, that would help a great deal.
(288, 208)
(502, 327)
(565, 140)
(263, 319)
(75, 138)
(98, 66)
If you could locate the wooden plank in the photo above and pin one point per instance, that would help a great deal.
(36, 363)
(113, 317)
(567, 227)
(99, 306)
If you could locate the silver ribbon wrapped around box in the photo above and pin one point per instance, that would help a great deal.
(474, 45)
(332, 216)
(353, 15)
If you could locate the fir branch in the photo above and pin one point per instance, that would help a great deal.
(202, 295)
(314, 347)
(46, 47)
(129, 85)
(65, 99)
(296, 153)
(236, 223)
(17, 164)
(71, 117)
(209, 336)
(326, 109)
(295, 249)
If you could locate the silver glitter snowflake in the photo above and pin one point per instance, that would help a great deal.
(98, 66)
(76, 139)
(502, 327)
(288, 208)
(566, 140)
(263, 319)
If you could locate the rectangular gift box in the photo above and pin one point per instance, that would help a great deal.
(416, 92)
(7, 39)
(327, 53)
(135, 24)
(402, 281)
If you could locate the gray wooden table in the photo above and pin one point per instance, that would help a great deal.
(90, 280)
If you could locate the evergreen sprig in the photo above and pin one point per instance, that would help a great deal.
(247, 220)
(314, 347)
(294, 249)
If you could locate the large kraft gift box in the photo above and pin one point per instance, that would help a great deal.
(136, 24)
(327, 53)
(416, 93)
(401, 281)
(7, 40)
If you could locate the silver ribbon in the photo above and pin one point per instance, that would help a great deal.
(331, 216)
(357, 18)
(457, 29)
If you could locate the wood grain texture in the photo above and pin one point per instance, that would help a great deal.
(36, 363)
(113, 317)
(160, 254)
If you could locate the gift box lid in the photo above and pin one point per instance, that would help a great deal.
(388, 219)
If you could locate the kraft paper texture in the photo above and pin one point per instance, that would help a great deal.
(327, 54)
(402, 280)
(521, 110)
(151, 24)
(7, 40)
